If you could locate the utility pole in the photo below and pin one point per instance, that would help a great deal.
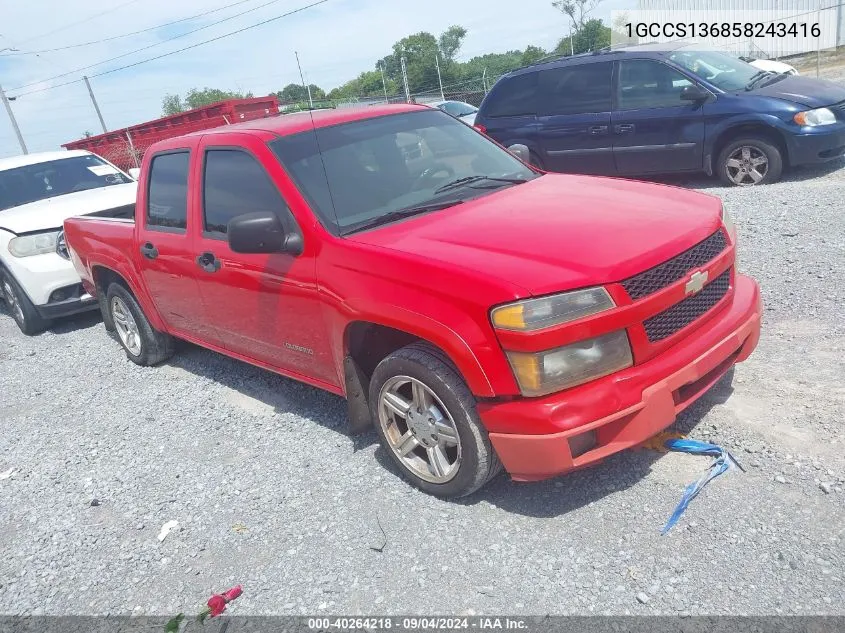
(818, 39)
(383, 83)
(14, 122)
(484, 80)
(439, 79)
(571, 45)
(96, 107)
(405, 79)
(304, 85)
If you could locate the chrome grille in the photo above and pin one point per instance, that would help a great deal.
(680, 315)
(667, 273)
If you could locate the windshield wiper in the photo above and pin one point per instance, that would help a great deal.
(760, 74)
(470, 179)
(400, 214)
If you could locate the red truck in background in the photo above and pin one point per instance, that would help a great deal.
(478, 312)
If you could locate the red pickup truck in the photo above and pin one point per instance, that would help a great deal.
(479, 313)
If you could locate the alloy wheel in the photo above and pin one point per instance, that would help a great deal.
(747, 165)
(419, 429)
(126, 327)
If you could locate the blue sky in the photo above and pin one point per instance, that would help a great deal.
(335, 41)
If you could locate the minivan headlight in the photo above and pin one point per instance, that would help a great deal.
(541, 373)
(35, 244)
(813, 118)
(535, 314)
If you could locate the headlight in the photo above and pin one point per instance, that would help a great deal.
(545, 372)
(729, 224)
(36, 244)
(812, 118)
(535, 314)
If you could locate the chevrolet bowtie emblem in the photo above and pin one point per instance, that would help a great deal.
(696, 282)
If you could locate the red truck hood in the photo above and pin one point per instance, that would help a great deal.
(558, 232)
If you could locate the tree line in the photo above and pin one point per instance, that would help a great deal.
(423, 52)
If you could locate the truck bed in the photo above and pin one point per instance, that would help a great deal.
(97, 240)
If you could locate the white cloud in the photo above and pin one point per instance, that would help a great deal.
(336, 41)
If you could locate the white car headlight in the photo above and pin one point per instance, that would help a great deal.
(813, 118)
(535, 314)
(541, 373)
(35, 244)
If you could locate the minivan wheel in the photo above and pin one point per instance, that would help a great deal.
(143, 345)
(750, 161)
(21, 308)
(426, 419)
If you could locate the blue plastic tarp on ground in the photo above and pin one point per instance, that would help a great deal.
(724, 462)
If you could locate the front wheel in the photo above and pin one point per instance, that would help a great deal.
(143, 344)
(750, 161)
(21, 308)
(426, 419)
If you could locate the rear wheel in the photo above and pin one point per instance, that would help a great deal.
(21, 308)
(750, 161)
(143, 344)
(426, 419)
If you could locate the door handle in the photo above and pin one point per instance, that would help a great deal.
(208, 262)
(624, 128)
(149, 251)
(597, 130)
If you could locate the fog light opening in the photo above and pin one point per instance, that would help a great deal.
(580, 444)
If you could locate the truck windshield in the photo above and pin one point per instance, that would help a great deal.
(22, 185)
(386, 168)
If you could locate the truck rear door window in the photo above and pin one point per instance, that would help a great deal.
(235, 183)
(167, 198)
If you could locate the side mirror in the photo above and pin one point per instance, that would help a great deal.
(694, 93)
(262, 232)
(521, 152)
(135, 172)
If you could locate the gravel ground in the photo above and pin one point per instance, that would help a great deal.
(270, 492)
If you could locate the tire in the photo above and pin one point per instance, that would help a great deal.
(143, 345)
(21, 308)
(450, 426)
(744, 152)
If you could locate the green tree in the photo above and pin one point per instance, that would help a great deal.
(578, 11)
(450, 43)
(297, 92)
(532, 54)
(198, 98)
(171, 104)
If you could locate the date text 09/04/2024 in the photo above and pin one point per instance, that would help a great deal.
(417, 623)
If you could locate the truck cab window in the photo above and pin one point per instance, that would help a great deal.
(235, 183)
(167, 200)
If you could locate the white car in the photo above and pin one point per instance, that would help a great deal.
(458, 109)
(770, 65)
(37, 193)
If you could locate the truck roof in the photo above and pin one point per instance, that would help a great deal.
(286, 124)
(41, 157)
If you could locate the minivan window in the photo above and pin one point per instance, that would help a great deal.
(167, 200)
(576, 89)
(513, 96)
(721, 70)
(648, 84)
(358, 173)
(235, 183)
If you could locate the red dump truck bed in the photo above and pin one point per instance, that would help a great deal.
(126, 147)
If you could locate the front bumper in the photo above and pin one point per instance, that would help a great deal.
(646, 398)
(819, 146)
(80, 301)
(41, 275)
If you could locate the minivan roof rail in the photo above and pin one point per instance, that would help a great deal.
(556, 56)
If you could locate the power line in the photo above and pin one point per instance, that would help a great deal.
(82, 21)
(143, 48)
(117, 37)
(179, 50)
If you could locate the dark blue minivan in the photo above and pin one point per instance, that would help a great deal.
(665, 108)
